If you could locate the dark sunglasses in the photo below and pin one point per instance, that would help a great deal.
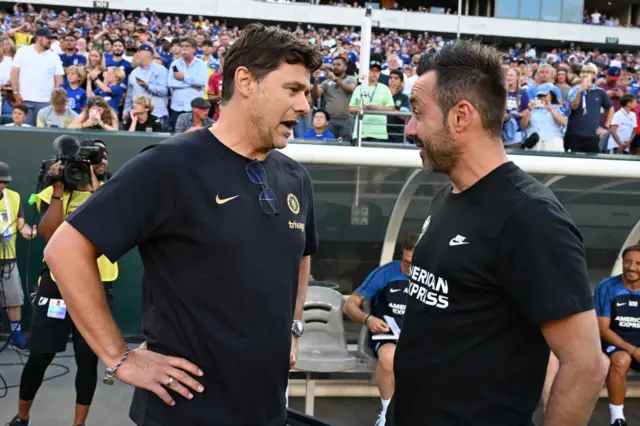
(267, 198)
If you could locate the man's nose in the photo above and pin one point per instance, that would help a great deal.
(410, 128)
(300, 103)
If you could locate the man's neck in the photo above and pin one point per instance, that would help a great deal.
(60, 111)
(70, 52)
(38, 48)
(231, 130)
(482, 157)
(631, 285)
(187, 60)
(117, 57)
(320, 130)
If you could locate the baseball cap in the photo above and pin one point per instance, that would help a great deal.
(146, 48)
(544, 89)
(614, 73)
(200, 103)
(44, 32)
(375, 64)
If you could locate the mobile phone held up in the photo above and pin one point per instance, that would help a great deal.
(174, 68)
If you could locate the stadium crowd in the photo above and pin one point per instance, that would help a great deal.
(146, 72)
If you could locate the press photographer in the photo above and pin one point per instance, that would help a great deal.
(73, 175)
(12, 222)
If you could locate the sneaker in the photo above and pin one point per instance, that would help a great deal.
(17, 421)
(619, 422)
(382, 419)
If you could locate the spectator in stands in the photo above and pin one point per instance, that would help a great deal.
(611, 85)
(377, 98)
(395, 125)
(188, 77)
(624, 126)
(214, 87)
(96, 65)
(97, 115)
(118, 59)
(410, 77)
(586, 100)
(562, 83)
(337, 90)
(108, 87)
(35, 73)
(149, 79)
(58, 114)
(19, 116)
(71, 57)
(320, 131)
(208, 56)
(544, 74)
(616, 301)
(7, 52)
(140, 118)
(545, 117)
(386, 287)
(176, 49)
(517, 105)
(76, 94)
(196, 118)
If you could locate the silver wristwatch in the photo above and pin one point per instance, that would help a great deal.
(297, 328)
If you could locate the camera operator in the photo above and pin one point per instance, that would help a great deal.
(11, 223)
(51, 323)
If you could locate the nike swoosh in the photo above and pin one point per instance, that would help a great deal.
(620, 304)
(225, 200)
(457, 243)
(395, 290)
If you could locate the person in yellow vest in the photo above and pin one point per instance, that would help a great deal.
(11, 223)
(51, 323)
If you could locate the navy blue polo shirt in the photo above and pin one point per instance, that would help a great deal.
(220, 276)
(585, 120)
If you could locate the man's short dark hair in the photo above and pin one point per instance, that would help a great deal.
(189, 40)
(326, 114)
(207, 43)
(473, 72)
(629, 249)
(340, 58)
(397, 73)
(261, 50)
(410, 242)
(626, 98)
(22, 108)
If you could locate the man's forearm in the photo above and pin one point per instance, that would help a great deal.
(613, 338)
(72, 260)
(574, 393)
(303, 283)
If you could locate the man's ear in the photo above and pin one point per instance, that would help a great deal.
(243, 81)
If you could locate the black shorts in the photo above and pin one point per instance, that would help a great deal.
(606, 348)
(377, 344)
(50, 335)
(576, 143)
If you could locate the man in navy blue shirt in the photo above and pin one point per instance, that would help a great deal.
(586, 101)
(71, 57)
(618, 308)
(387, 288)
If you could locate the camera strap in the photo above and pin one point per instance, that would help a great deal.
(6, 232)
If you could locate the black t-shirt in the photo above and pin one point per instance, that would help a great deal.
(151, 125)
(494, 263)
(220, 276)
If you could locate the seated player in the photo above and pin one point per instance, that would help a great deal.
(617, 301)
(387, 288)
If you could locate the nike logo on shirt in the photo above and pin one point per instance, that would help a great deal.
(225, 200)
(458, 240)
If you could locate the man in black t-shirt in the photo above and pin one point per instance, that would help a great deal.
(498, 276)
(225, 228)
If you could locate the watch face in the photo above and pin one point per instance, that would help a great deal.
(297, 328)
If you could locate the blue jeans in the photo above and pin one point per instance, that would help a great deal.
(34, 108)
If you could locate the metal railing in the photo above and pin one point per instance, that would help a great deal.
(392, 129)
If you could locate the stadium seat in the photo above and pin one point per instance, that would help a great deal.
(323, 346)
(365, 353)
